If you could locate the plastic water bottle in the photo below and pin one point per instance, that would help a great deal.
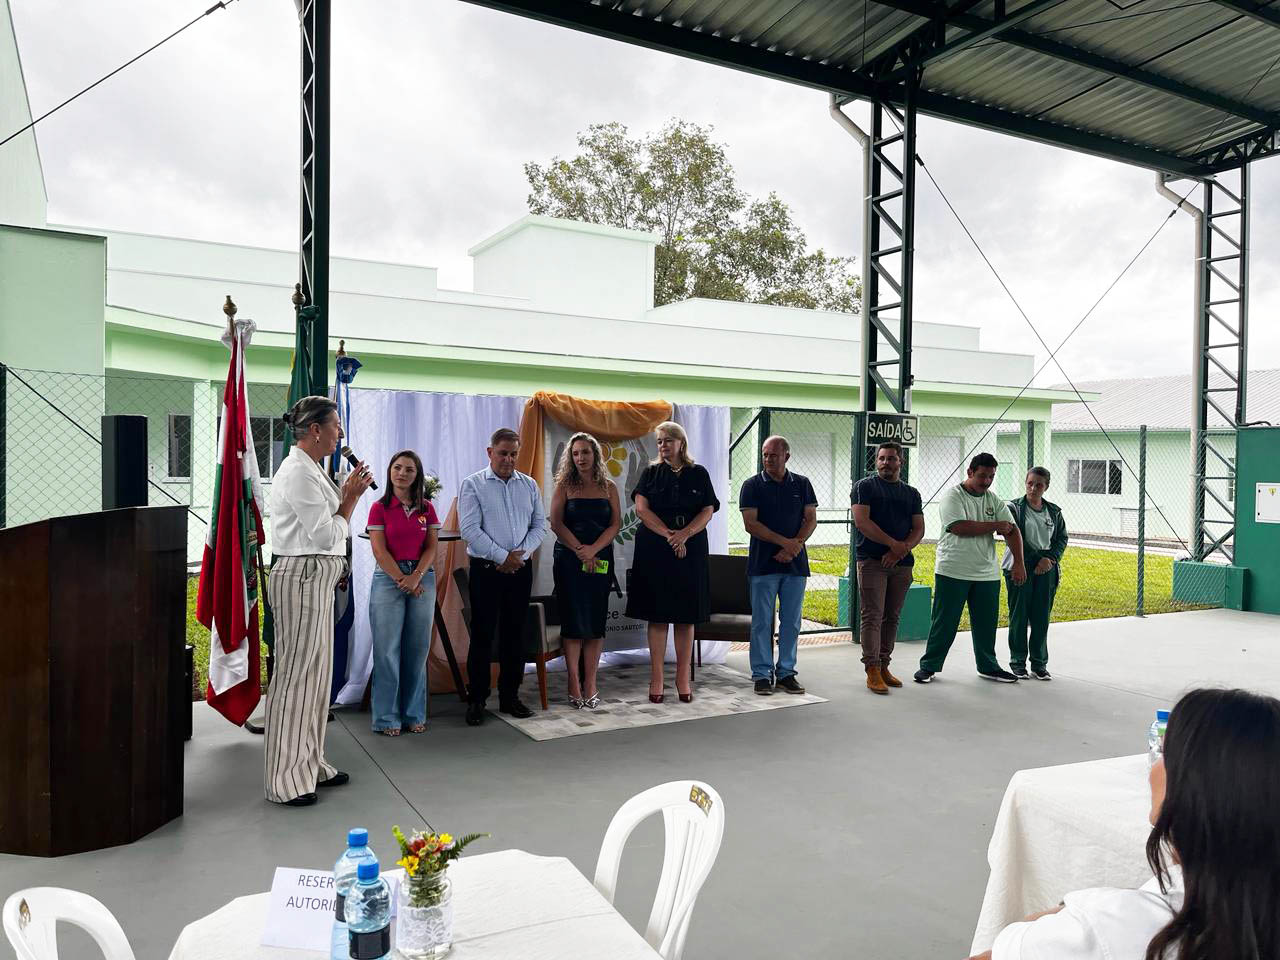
(1155, 737)
(369, 915)
(344, 875)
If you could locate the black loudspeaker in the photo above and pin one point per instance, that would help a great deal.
(124, 462)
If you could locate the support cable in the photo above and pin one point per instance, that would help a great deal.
(220, 5)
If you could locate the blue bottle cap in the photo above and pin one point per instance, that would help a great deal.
(1162, 714)
(357, 837)
(367, 870)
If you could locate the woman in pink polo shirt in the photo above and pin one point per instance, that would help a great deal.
(402, 530)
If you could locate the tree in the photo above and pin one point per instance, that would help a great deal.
(716, 241)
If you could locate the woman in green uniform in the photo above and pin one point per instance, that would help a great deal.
(1044, 538)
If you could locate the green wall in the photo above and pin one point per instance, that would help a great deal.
(1258, 544)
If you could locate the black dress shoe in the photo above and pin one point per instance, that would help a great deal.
(305, 800)
(516, 709)
(475, 714)
(337, 780)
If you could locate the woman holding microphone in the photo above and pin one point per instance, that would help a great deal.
(310, 518)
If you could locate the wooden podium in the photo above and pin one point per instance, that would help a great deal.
(92, 628)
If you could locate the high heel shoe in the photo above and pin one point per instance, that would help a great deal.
(657, 697)
(685, 697)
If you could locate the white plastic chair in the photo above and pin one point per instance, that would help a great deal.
(31, 917)
(694, 817)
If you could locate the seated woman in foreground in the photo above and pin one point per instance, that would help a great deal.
(1214, 849)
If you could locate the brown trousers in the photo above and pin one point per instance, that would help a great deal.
(881, 593)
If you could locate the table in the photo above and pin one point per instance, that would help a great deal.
(506, 904)
(1062, 829)
(459, 684)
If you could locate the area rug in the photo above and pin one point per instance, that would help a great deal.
(624, 702)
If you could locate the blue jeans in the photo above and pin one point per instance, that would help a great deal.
(787, 591)
(401, 625)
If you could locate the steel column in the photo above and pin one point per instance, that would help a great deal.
(888, 273)
(314, 20)
(1221, 357)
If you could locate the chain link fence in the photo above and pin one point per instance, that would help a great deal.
(51, 442)
(1126, 497)
(1126, 493)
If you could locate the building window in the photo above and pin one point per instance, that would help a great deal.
(268, 444)
(179, 442)
(1095, 476)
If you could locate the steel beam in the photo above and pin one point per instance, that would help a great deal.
(1080, 56)
(314, 21)
(602, 20)
(1221, 372)
(1261, 12)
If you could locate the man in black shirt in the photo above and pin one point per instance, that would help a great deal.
(780, 512)
(890, 522)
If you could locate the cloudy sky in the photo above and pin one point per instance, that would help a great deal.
(438, 103)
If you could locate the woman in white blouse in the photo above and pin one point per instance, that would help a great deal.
(310, 515)
(1214, 850)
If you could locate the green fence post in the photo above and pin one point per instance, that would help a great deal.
(1142, 513)
(763, 434)
(857, 469)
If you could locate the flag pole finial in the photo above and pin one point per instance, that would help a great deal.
(298, 298)
(229, 308)
(342, 348)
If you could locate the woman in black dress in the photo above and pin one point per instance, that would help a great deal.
(585, 517)
(669, 583)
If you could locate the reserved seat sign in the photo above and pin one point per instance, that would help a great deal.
(301, 906)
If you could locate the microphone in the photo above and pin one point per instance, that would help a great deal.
(351, 459)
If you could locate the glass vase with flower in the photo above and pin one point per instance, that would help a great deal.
(424, 911)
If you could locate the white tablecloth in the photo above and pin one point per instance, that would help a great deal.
(506, 904)
(1062, 829)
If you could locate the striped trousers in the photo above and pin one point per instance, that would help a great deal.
(301, 593)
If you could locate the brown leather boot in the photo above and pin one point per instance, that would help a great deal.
(875, 683)
(889, 678)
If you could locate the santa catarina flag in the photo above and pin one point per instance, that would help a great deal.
(227, 602)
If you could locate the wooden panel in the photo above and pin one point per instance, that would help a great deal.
(114, 613)
(24, 677)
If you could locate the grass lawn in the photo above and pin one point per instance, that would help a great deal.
(1095, 583)
(198, 637)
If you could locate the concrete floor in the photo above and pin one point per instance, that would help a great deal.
(857, 827)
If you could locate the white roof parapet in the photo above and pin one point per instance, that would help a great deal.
(556, 223)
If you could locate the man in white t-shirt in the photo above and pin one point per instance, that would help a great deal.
(967, 571)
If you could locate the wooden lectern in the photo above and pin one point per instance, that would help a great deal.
(92, 628)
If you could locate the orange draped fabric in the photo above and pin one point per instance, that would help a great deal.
(603, 419)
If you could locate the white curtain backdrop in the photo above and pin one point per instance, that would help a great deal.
(450, 431)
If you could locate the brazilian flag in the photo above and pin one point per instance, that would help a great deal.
(301, 384)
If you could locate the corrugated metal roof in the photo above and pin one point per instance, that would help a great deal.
(1160, 403)
(1065, 75)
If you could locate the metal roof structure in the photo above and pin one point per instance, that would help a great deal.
(1159, 403)
(1185, 88)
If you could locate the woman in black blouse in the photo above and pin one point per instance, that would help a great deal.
(669, 583)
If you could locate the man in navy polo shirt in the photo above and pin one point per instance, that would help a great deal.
(780, 512)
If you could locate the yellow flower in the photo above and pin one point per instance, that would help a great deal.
(410, 864)
(446, 838)
(615, 456)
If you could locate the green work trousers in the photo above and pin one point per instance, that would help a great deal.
(949, 597)
(1029, 607)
